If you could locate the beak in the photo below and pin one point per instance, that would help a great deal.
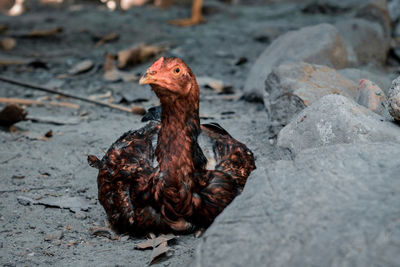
(146, 79)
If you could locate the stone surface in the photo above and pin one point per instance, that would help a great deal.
(394, 9)
(320, 44)
(371, 96)
(377, 11)
(376, 76)
(335, 120)
(394, 99)
(396, 31)
(331, 206)
(293, 86)
(366, 41)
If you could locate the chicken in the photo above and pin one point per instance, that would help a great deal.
(175, 175)
(195, 18)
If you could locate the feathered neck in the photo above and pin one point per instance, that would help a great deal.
(180, 127)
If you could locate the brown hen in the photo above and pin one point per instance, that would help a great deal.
(176, 175)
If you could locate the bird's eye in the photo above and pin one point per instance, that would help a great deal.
(177, 70)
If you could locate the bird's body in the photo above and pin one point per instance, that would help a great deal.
(174, 175)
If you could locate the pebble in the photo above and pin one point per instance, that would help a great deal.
(56, 235)
(371, 96)
(80, 215)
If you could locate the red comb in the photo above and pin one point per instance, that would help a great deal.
(157, 65)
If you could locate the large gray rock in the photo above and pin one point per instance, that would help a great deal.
(332, 206)
(366, 41)
(377, 11)
(333, 120)
(320, 44)
(292, 86)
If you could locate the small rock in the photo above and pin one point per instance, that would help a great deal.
(71, 243)
(320, 44)
(394, 99)
(26, 201)
(333, 120)
(380, 78)
(371, 96)
(81, 67)
(80, 215)
(56, 235)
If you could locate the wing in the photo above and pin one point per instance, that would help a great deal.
(153, 114)
(125, 180)
(224, 153)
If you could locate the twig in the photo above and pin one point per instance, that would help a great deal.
(52, 91)
(22, 101)
(13, 157)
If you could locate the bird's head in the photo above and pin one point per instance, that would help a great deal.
(170, 77)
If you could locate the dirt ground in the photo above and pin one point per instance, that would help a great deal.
(37, 170)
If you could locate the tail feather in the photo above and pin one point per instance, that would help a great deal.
(94, 162)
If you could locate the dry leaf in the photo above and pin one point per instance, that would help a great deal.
(138, 54)
(159, 251)
(100, 96)
(13, 60)
(154, 242)
(3, 28)
(115, 75)
(43, 33)
(110, 62)
(6, 60)
(81, 67)
(139, 110)
(108, 38)
(216, 85)
(22, 101)
(8, 43)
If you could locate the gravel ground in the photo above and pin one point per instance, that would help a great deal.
(57, 168)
